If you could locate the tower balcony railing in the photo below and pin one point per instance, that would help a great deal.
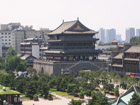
(70, 40)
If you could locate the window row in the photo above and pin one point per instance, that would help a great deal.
(6, 40)
(5, 33)
(71, 44)
(6, 43)
(5, 36)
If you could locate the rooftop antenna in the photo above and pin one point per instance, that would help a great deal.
(77, 18)
(63, 21)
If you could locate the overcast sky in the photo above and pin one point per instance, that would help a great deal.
(119, 14)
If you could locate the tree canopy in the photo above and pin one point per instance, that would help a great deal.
(10, 52)
(98, 99)
(76, 102)
(135, 100)
(135, 40)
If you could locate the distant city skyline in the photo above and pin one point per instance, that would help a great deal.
(96, 14)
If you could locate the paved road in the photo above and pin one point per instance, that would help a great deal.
(61, 101)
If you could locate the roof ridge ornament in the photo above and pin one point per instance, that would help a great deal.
(63, 21)
(77, 18)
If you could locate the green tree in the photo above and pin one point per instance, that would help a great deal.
(135, 100)
(72, 89)
(31, 89)
(131, 80)
(6, 80)
(88, 93)
(20, 84)
(98, 99)
(10, 52)
(15, 63)
(2, 60)
(117, 78)
(76, 102)
(44, 90)
(135, 40)
(116, 90)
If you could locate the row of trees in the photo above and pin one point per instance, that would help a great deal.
(41, 84)
(85, 84)
(100, 99)
(97, 98)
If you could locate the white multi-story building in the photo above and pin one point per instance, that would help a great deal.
(13, 34)
(6, 37)
(130, 32)
(31, 46)
(0, 47)
(137, 32)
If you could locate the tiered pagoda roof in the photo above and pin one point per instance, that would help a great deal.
(134, 49)
(72, 27)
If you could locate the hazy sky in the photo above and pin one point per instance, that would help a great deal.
(119, 14)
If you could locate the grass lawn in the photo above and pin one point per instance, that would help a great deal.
(61, 93)
(22, 96)
(25, 99)
(65, 94)
(53, 90)
(3, 72)
(72, 97)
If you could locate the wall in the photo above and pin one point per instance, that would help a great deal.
(35, 51)
(43, 66)
(49, 67)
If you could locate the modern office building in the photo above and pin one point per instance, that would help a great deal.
(118, 37)
(110, 35)
(137, 32)
(0, 47)
(130, 32)
(101, 35)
